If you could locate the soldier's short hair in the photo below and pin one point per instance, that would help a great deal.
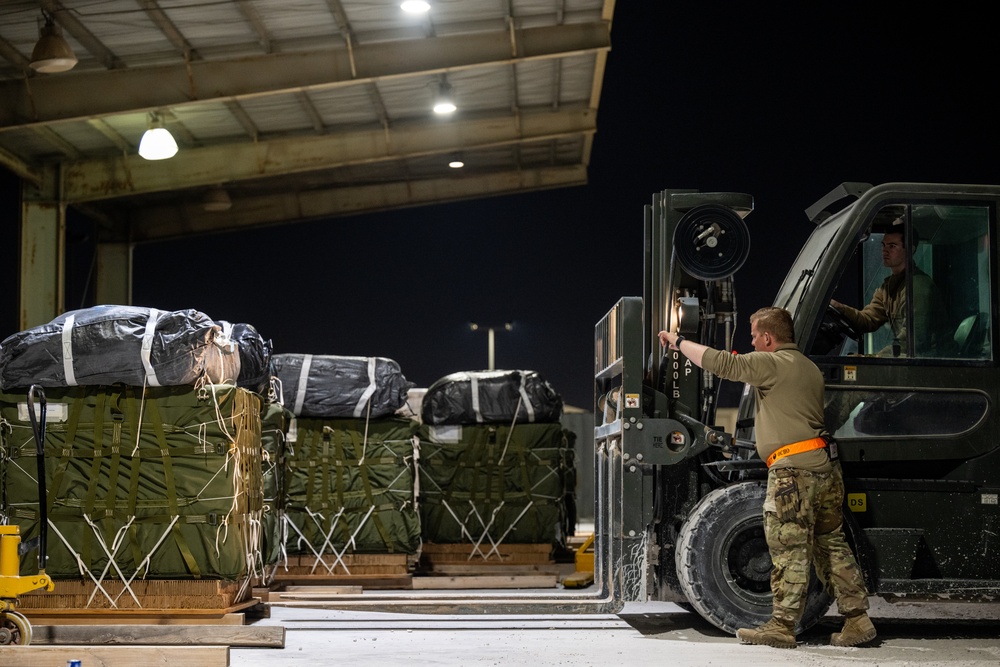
(775, 321)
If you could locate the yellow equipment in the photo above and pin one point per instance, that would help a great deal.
(584, 575)
(14, 626)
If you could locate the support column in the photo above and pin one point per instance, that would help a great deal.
(114, 274)
(43, 251)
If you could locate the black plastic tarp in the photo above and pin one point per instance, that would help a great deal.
(323, 385)
(255, 358)
(132, 345)
(475, 397)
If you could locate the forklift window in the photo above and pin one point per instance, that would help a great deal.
(861, 413)
(946, 267)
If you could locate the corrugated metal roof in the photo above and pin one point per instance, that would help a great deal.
(299, 108)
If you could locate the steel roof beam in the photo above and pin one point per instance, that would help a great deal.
(127, 175)
(169, 222)
(87, 95)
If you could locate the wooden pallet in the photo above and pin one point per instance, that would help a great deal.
(373, 571)
(161, 602)
(433, 556)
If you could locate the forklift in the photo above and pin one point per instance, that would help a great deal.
(915, 419)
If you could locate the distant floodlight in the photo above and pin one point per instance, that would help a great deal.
(415, 6)
(444, 103)
(157, 143)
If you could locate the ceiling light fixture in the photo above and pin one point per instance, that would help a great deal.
(52, 53)
(415, 6)
(216, 200)
(444, 103)
(456, 164)
(157, 143)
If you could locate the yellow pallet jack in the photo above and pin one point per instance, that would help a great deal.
(14, 626)
(584, 575)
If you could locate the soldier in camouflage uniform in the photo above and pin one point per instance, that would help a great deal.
(805, 489)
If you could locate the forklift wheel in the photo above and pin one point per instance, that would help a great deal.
(14, 628)
(723, 564)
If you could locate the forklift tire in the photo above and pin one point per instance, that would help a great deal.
(723, 564)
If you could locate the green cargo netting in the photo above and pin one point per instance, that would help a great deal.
(275, 421)
(161, 483)
(349, 487)
(491, 483)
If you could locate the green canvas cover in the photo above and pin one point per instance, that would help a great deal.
(275, 420)
(349, 487)
(491, 483)
(156, 483)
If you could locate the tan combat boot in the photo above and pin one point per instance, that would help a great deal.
(773, 633)
(858, 629)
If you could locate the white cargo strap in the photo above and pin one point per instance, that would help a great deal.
(526, 401)
(359, 409)
(300, 388)
(147, 346)
(225, 340)
(67, 350)
(474, 391)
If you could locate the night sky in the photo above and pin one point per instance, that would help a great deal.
(781, 104)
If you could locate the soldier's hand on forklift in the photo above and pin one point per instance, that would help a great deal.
(668, 339)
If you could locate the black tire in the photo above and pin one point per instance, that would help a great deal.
(723, 564)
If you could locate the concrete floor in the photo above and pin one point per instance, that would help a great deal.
(953, 634)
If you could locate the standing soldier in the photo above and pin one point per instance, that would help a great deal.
(805, 488)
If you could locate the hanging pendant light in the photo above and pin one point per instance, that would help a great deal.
(444, 102)
(157, 143)
(52, 53)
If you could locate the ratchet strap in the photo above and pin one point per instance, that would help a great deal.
(795, 448)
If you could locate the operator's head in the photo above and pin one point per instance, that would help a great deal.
(894, 245)
(771, 327)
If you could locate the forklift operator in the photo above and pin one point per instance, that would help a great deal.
(888, 303)
(805, 489)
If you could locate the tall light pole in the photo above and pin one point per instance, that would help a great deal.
(491, 340)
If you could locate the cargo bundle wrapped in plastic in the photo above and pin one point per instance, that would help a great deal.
(489, 486)
(503, 396)
(350, 488)
(330, 386)
(130, 345)
(142, 483)
(275, 423)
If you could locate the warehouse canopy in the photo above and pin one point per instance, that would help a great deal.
(296, 109)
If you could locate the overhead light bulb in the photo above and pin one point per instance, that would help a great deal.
(415, 6)
(52, 53)
(456, 164)
(157, 143)
(443, 103)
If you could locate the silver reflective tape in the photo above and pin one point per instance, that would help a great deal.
(359, 409)
(526, 401)
(474, 390)
(300, 389)
(147, 346)
(67, 350)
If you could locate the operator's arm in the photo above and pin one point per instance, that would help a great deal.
(692, 350)
(869, 318)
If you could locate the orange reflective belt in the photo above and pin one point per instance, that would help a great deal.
(795, 448)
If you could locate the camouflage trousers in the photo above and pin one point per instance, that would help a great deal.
(803, 525)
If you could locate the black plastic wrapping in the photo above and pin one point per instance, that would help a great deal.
(255, 358)
(106, 344)
(475, 397)
(356, 387)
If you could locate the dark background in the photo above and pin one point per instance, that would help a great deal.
(781, 102)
